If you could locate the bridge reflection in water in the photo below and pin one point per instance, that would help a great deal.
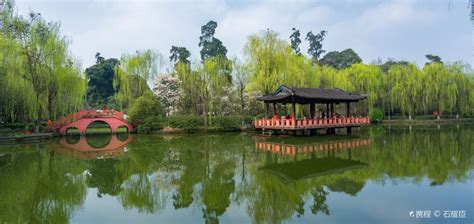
(292, 162)
(95, 146)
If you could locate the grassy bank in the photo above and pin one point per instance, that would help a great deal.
(405, 122)
(189, 123)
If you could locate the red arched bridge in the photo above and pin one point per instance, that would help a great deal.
(82, 119)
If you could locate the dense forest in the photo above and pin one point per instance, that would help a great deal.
(40, 79)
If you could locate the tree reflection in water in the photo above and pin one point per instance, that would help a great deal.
(49, 182)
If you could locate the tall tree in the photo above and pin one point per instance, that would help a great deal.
(179, 55)
(100, 81)
(295, 40)
(132, 75)
(316, 44)
(210, 46)
(433, 58)
(341, 60)
(43, 69)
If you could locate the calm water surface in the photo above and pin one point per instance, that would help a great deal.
(377, 175)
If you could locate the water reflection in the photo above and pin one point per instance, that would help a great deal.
(231, 177)
(94, 146)
(310, 160)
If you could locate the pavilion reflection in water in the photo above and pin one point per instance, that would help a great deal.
(316, 159)
(95, 146)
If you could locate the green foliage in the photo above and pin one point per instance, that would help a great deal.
(154, 123)
(145, 107)
(316, 44)
(376, 115)
(132, 75)
(186, 122)
(179, 55)
(341, 60)
(433, 58)
(38, 77)
(100, 81)
(211, 46)
(226, 123)
(295, 41)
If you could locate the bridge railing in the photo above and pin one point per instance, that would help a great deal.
(86, 114)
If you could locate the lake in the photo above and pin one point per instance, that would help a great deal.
(422, 174)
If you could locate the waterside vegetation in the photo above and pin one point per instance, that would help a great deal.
(40, 80)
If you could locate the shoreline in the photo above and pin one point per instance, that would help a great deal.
(30, 138)
(404, 122)
(415, 122)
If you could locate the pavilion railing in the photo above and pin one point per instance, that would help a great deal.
(310, 123)
(310, 148)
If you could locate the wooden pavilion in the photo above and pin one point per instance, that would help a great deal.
(328, 119)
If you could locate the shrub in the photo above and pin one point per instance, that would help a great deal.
(248, 120)
(186, 122)
(145, 129)
(376, 115)
(154, 122)
(226, 123)
(145, 106)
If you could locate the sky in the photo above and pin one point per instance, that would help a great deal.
(398, 29)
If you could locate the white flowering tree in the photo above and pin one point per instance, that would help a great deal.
(166, 87)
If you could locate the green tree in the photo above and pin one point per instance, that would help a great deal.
(316, 44)
(100, 81)
(295, 41)
(133, 73)
(433, 58)
(39, 78)
(147, 105)
(179, 55)
(341, 60)
(210, 46)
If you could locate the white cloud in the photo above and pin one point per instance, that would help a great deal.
(398, 28)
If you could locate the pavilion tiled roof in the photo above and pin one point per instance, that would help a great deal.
(311, 95)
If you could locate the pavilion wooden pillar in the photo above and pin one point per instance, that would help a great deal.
(294, 106)
(327, 110)
(332, 130)
(332, 110)
(266, 110)
(348, 111)
(274, 110)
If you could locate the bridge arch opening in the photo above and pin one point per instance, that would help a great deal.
(98, 127)
(122, 129)
(72, 131)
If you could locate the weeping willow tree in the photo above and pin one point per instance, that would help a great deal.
(217, 78)
(133, 73)
(267, 58)
(366, 79)
(38, 77)
(405, 83)
(441, 89)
